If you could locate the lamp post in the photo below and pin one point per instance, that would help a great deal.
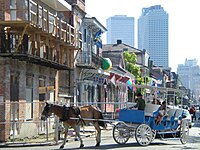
(105, 95)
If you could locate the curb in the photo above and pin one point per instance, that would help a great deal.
(88, 132)
(24, 144)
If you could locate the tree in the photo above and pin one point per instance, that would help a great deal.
(130, 61)
(130, 65)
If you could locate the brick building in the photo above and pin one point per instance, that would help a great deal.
(38, 41)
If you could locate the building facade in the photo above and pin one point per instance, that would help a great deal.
(115, 53)
(37, 44)
(189, 75)
(90, 76)
(120, 27)
(153, 34)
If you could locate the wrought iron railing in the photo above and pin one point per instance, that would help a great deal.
(43, 21)
(89, 59)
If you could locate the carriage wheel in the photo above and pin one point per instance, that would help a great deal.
(184, 131)
(153, 134)
(121, 133)
(143, 134)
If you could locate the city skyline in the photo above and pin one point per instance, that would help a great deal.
(183, 26)
(120, 27)
(153, 34)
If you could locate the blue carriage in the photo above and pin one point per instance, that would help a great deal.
(142, 125)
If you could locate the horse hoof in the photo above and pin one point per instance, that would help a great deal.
(62, 146)
(98, 144)
(81, 145)
(76, 139)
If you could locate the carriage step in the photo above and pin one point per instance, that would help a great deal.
(168, 132)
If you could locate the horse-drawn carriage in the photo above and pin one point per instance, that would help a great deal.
(138, 123)
(142, 125)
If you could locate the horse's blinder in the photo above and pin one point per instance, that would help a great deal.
(45, 112)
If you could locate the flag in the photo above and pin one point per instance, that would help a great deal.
(98, 34)
(112, 80)
(130, 84)
(154, 83)
(133, 82)
(97, 39)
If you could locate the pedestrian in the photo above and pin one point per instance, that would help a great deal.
(193, 113)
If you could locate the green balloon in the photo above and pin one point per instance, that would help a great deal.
(106, 64)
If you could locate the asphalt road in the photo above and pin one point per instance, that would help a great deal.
(108, 143)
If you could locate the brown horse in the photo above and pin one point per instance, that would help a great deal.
(68, 115)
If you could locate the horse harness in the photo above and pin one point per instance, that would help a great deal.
(72, 109)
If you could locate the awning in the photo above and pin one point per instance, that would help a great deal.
(90, 74)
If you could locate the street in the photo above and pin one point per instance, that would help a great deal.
(108, 143)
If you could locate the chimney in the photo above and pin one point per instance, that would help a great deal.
(119, 41)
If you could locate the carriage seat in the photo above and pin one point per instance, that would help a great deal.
(178, 115)
(171, 114)
(151, 109)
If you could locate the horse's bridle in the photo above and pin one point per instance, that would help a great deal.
(46, 112)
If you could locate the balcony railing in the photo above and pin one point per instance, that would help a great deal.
(48, 47)
(43, 19)
(89, 59)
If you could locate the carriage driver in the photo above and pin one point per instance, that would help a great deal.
(140, 102)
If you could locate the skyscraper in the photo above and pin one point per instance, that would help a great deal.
(189, 76)
(120, 27)
(153, 34)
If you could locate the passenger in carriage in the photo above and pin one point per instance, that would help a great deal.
(156, 101)
(162, 112)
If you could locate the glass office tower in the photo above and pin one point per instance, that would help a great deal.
(120, 27)
(153, 34)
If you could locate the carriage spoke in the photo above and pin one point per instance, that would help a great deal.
(121, 133)
(184, 131)
(143, 134)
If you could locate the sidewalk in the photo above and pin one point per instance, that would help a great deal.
(85, 132)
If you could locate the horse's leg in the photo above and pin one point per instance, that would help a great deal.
(77, 131)
(65, 137)
(98, 136)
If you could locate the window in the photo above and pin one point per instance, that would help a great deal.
(41, 82)
(29, 97)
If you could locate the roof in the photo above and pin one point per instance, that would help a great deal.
(115, 51)
(115, 57)
(122, 47)
(93, 22)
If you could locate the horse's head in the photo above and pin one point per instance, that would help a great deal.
(46, 112)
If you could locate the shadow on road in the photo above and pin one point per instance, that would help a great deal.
(116, 146)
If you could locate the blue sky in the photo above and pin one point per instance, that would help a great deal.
(184, 24)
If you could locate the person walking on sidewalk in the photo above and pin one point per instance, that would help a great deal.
(193, 113)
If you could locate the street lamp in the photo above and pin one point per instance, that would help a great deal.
(105, 94)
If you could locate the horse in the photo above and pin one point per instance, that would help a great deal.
(84, 114)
